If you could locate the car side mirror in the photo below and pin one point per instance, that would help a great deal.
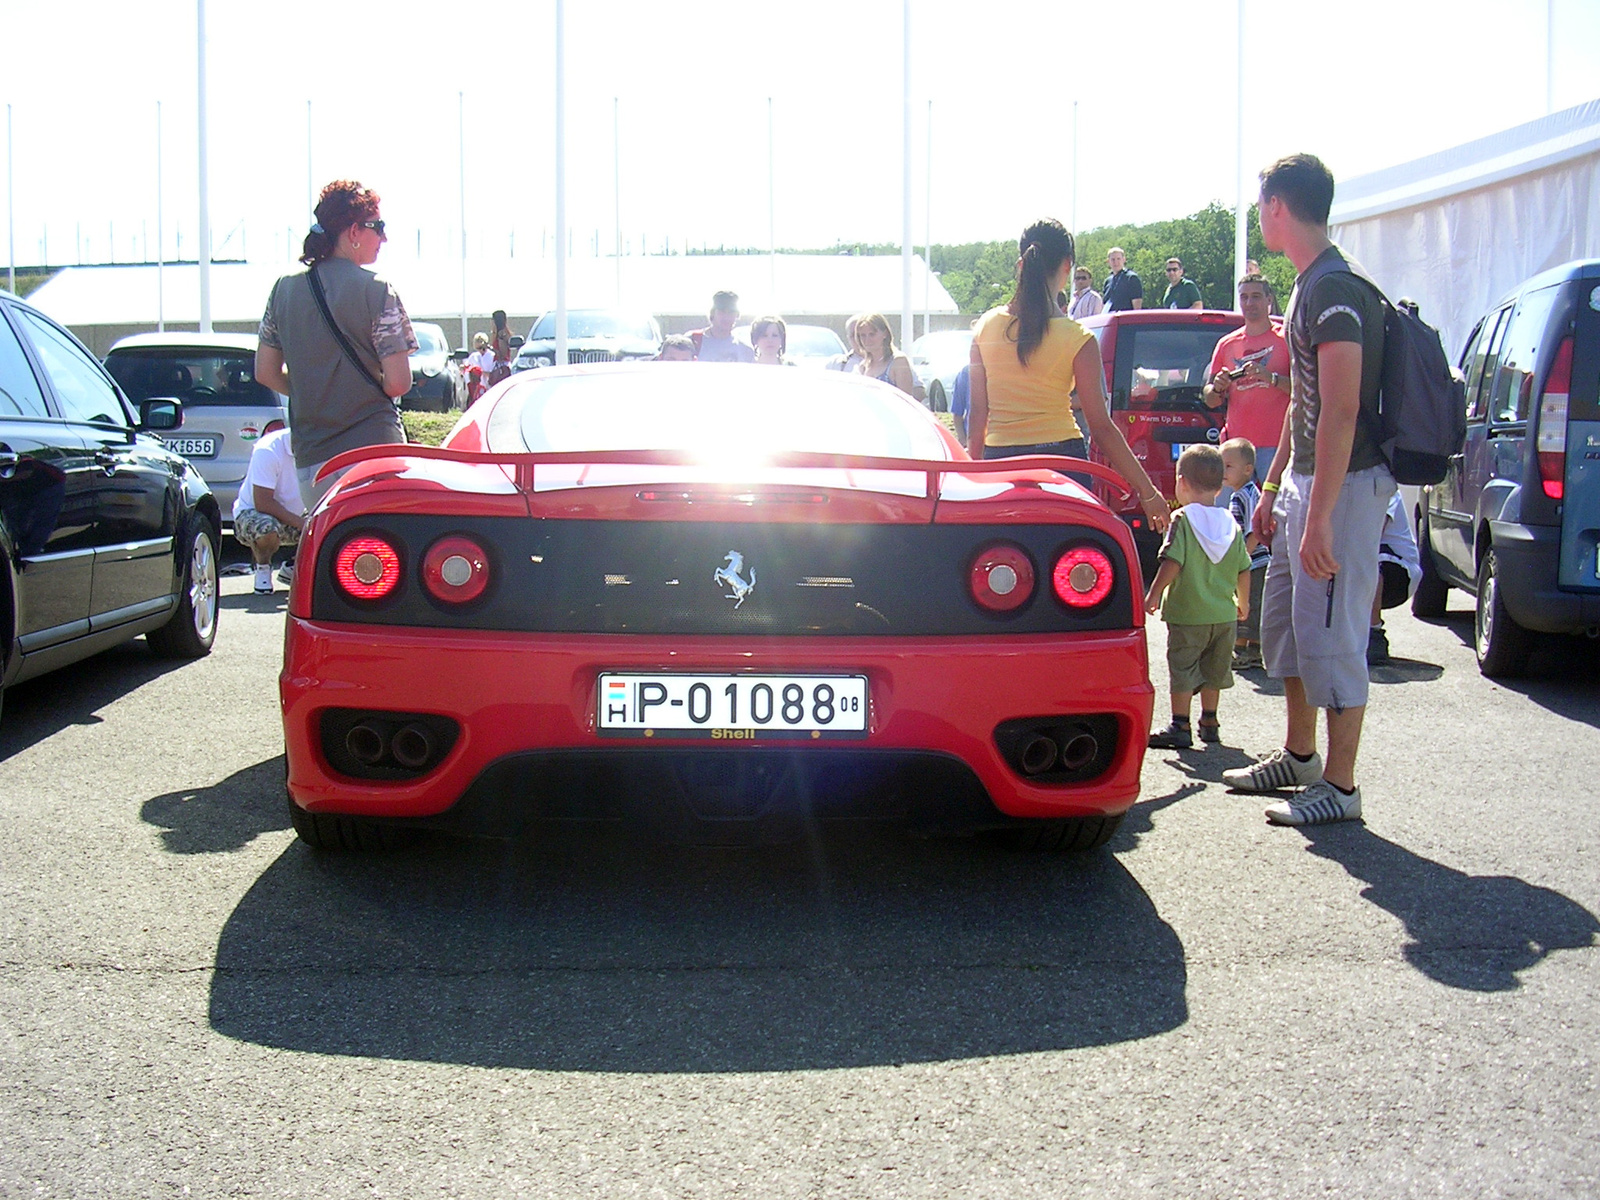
(163, 413)
(516, 342)
(459, 355)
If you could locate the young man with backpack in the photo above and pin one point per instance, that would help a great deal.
(1323, 505)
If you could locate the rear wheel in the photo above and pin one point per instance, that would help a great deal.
(334, 831)
(192, 630)
(937, 401)
(1501, 644)
(1074, 835)
(1432, 592)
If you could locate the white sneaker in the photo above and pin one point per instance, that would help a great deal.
(1276, 771)
(264, 580)
(1319, 804)
(286, 573)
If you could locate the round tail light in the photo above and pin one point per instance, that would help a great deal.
(367, 568)
(1083, 577)
(1002, 579)
(455, 570)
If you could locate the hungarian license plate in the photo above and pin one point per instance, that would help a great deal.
(1178, 449)
(733, 707)
(193, 447)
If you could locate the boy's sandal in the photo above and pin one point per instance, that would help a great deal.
(1210, 729)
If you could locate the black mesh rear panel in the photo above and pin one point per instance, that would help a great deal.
(571, 576)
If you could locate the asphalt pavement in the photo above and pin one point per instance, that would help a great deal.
(193, 1003)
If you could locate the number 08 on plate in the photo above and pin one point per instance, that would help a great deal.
(733, 707)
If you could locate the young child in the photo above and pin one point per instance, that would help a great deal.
(1201, 586)
(1238, 472)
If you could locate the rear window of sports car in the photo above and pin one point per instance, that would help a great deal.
(749, 411)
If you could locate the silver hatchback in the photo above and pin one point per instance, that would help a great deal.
(225, 411)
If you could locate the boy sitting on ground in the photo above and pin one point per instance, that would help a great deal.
(1238, 473)
(1202, 586)
(268, 512)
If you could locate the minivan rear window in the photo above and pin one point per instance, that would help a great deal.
(199, 378)
(1156, 363)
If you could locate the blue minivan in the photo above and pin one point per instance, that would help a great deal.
(1516, 521)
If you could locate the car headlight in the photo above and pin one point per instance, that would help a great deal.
(544, 360)
(430, 372)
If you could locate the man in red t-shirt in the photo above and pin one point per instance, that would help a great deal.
(1259, 357)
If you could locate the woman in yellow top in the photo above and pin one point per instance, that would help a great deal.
(1028, 358)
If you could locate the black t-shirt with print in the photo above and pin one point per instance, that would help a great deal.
(1339, 308)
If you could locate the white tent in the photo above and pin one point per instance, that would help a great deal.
(1457, 230)
(98, 303)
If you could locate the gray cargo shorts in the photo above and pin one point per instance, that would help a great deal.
(1316, 629)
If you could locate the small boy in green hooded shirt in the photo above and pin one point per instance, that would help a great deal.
(1202, 588)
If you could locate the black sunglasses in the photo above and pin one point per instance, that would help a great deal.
(375, 226)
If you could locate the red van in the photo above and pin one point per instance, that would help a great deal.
(1155, 362)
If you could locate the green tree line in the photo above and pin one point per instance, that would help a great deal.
(980, 275)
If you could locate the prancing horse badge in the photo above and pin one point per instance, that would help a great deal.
(731, 574)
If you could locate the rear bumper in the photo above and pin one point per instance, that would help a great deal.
(527, 747)
(1528, 557)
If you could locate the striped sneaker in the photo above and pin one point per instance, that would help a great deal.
(1319, 804)
(1276, 771)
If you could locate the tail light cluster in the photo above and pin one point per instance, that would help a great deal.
(1003, 579)
(370, 567)
(1552, 441)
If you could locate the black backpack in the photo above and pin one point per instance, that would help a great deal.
(1421, 415)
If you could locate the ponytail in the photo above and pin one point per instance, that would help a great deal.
(1044, 246)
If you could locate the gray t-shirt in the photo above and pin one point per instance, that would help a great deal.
(1340, 308)
(728, 349)
(332, 408)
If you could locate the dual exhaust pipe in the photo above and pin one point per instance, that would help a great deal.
(411, 746)
(1070, 749)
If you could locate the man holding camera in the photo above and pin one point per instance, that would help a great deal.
(1250, 374)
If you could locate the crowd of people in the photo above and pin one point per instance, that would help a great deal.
(1269, 557)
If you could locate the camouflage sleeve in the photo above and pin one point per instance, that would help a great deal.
(391, 332)
(268, 333)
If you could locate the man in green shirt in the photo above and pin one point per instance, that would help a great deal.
(1182, 292)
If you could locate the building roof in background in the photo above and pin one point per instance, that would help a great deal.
(820, 284)
(1559, 137)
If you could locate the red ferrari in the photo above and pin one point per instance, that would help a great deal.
(722, 599)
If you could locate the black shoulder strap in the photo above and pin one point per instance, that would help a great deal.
(338, 334)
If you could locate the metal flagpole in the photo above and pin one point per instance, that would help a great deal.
(1550, 56)
(772, 218)
(11, 216)
(562, 249)
(204, 259)
(616, 187)
(311, 186)
(927, 214)
(161, 290)
(905, 183)
(1241, 207)
(1074, 169)
(461, 144)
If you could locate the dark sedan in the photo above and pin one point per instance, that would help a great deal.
(106, 533)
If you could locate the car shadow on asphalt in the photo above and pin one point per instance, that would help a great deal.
(74, 694)
(1475, 932)
(1138, 823)
(226, 816)
(256, 603)
(593, 950)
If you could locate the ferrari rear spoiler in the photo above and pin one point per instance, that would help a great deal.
(524, 466)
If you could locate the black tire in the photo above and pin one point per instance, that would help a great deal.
(1432, 592)
(1075, 835)
(333, 831)
(1501, 644)
(192, 629)
(937, 401)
